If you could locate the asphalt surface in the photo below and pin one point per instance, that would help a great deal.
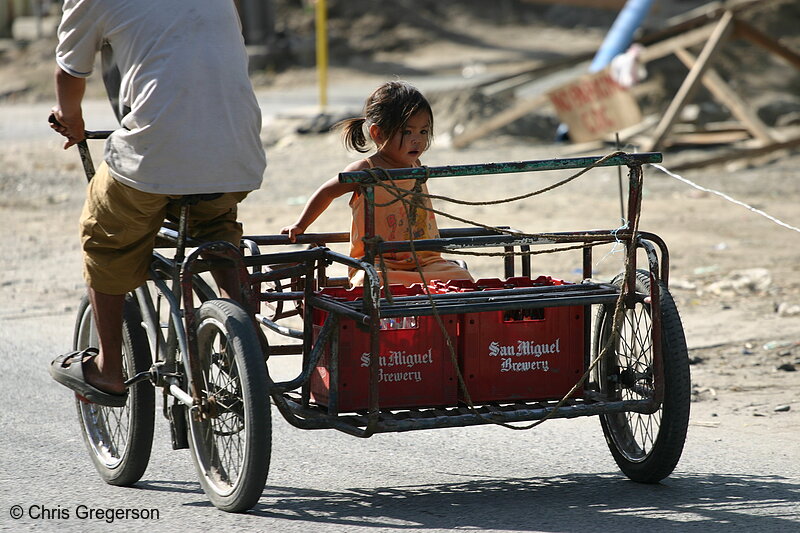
(557, 477)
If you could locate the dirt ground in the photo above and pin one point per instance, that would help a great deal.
(735, 275)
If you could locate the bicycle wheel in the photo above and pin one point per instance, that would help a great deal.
(645, 447)
(231, 445)
(119, 439)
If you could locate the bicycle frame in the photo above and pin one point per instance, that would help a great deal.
(175, 280)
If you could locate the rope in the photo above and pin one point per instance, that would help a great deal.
(726, 197)
(415, 192)
(513, 233)
(401, 195)
(448, 340)
(512, 198)
(413, 200)
(525, 253)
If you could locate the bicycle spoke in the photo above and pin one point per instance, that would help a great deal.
(223, 429)
(632, 379)
(228, 444)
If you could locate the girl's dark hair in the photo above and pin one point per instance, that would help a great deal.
(390, 106)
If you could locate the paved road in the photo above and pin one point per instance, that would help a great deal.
(559, 477)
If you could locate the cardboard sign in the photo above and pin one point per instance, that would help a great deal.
(594, 106)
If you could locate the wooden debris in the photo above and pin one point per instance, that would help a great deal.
(707, 137)
(498, 121)
(727, 97)
(712, 26)
(739, 153)
(745, 30)
(613, 5)
(687, 89)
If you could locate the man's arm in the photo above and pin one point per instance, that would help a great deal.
(68, 112)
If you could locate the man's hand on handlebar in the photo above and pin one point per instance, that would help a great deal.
(71, 127)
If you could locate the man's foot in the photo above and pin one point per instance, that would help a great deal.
(68, 369)
(94, 375)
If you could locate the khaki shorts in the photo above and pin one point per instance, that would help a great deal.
(119, 225)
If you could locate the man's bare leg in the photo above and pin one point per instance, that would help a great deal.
(228, 282)
(105, 370)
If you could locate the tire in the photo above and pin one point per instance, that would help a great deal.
(231, 449)
(119, 439)
(645, 447)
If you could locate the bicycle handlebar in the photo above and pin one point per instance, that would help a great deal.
(89, 134)
(98, 134)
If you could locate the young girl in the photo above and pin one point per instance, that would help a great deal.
(400, 123)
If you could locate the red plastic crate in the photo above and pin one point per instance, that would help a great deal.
(519, 355)
(416, 366)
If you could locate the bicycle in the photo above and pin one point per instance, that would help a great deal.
(207, 361)
(629, 366)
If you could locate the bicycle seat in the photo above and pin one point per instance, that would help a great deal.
(192, 199)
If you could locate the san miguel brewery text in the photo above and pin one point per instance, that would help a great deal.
(400, 358)
(521, 349)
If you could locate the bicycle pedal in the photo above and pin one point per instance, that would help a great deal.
(141, 376)
(177, 427)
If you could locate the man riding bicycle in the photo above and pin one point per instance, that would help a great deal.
(190, 124)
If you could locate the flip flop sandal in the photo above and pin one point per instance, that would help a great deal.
(67, 369)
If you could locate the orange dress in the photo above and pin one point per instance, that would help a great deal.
(392, 224)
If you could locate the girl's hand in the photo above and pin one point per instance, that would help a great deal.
(293, 231)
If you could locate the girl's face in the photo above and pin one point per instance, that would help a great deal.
(407, 145)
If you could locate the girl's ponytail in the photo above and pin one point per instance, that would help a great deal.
(353, 134)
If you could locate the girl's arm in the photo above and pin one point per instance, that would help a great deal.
(317, 204)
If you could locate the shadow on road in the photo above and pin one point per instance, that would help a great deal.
(711, 502)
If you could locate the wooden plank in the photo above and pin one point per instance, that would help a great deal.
(719, 126)
(755, 36)
(591, 147)
(692, 80)
(612, 5)
(684, 40)
(524, 76)
(625, 136)
(727, 97)
(501, 119)
(628, 133)
(741, 153)
(700, 16)
(706, 137)
(714, 10)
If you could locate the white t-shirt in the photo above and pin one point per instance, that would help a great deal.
(194, 125)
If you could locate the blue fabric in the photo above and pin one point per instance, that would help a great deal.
(619, 37)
